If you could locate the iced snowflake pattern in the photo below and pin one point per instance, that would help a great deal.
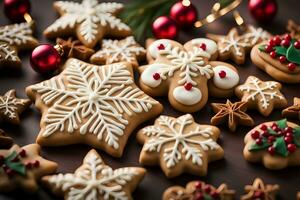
(184, 144)
(92, 100)
(231, 42)
(255, 35)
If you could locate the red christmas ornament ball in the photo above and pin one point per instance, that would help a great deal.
(185, 14)
(15, 9)
(45, 59)
(263, 11)
(164, 28)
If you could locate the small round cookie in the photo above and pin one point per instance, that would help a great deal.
(279, 57)
(275, 144)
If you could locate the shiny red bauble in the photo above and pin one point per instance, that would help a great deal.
(45, 59)
(263, 11)
(15, 9)
(185, 15)
(165, 28)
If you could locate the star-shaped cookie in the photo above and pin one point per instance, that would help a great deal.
(96, 105)
(113, 51)
(13, 38)
(90, 21)
(75, 49)
(96, 180)
(22, 168)
(231, 46)
(258, 190)
(233, 113)
(179, 145)
(294, 29)
(254, 35)
(11, 107)
(294, 110)
(263, 95)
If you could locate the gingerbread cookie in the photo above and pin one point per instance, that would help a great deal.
(182, 72)
(11, 107)
(196, 190)
(232, 46)
(294, 110)
(179, 145)
(89, 20)
(293, 29)
(275, 144)
(113, 51)
(280, 58)
(262, 95)
(260, 191)
(98, 106)
(233, 113)
(74, 49)
(22, 168)
(254, 35)
(5, 141)
(13, 38)
(96, 180)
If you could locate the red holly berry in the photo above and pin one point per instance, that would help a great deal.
(199, 196)
(288, 129)
(156, 76)
(28, 165)
(271, 43)
(273, 54)
(282, 59)
(36, 163)
(9, 172)
(263, 127)
(297, 44)
(255, 135)
(4, 166)
(271, 138)
(288, 134)
(269, 48)
(275, 127)
(285, 43)
(215, 194)
(198, 185)
(161, 47)
(291, 148)
(259, 141)
(203, 46)
(188, 86)
(287, 37)
(277, 40)
(280, 133)
(207, 189)
(22, 153)
(265, 133)
(222, 74)
(258, 195)
(271, 150)
(291, 66)
(288, 139)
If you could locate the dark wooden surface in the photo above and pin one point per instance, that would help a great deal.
(233, 170)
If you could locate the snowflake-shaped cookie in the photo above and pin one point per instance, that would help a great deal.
(182, 72)
(89, 20)
(96, 105)
(265, 96)
(255, 35)
(96, 180)
(179, 145)
(13, 38)
(11, 107)
(113, 51)
(231, 46)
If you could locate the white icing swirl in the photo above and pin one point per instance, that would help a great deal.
(147, 75)
(153, 48)
(229, 81)
(187, 97)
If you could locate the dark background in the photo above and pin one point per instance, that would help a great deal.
(233, 170)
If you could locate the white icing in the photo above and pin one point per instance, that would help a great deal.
(9, 104)
(231, 42)
(147, 75)
(119, 50)
(171, 138)
(254, 35)
(230, 81)
(187, 97)
(211, 46)
(153, 48)
(95, 180)
(91, 100)
(90, 16)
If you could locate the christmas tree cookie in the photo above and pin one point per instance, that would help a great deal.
(279, 57)
(275, 144)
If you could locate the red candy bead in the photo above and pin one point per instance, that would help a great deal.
(255, 135)
(36, 163)
(288, 37)
(258, 141)
(291, 148)
(16, 9)
(265, 133)
(285, 43)
(271, 150)
(263, 127)
(198, 185)
(207, 189)
(215, 195)
(273, 54)
(156, 76)
(28, 165)
(22, 153)
(288, 139)
(271, 43)
(282, 59)
(277, 40)
(288, 129)
(188, 86)
(297, 44)
(269, 48)
(9, 172)
(291, 66)
(161, 47)
(271, 138)
(222, 74)
(203, 46)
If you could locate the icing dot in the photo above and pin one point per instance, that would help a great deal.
(203, 46)
(22, 153)
(156, 76)
(36, 163)
(188, 86)
(161, 46)
(222, 74)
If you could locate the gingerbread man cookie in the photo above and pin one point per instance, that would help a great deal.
(275, 144)
(13, 38)
(90, 21)
(113, 51)
(264, 96)
(182, 72)
(197, 190)
(22, 168)
(96, 105)
(280, 58)
(96, 180)
(179, 145)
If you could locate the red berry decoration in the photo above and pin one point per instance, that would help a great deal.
(271, 150)
(258, 195)
(271, 138)
(215, 195)
(273, 54)
(259, 141)
(282, 59)
(164, 28)
(156, 76)
(288, 139)
(188, 86)
(255, 135)
(16, 9)
(28, 165)
(9, 172)
(269, 48)
(207, 189)
(203, 46)
(222, 74)
(297, 44)
(199, 196)
(198, 185)
(291, 66)
(45, 59)
(277, 40)
(22, 153)
(288, 37)
(271, 43)
(161, 47)
(36, 163)
(291, 148)
(184, 13)
(285, 43)
(263, 11)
